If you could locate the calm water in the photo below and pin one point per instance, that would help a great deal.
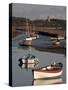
(23, 76)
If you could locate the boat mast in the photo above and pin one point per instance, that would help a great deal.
(27, 28)
(34, 28)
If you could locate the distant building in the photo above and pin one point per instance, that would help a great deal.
(48, 18)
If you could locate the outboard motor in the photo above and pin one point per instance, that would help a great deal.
(60, 65)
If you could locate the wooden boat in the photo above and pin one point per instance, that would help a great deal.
(56, 42)
(29, 59)
(50, 71)
(47, 81)
(26, 42)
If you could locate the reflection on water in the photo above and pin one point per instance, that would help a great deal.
(27, 66)
(54, 49)
(24, 47)
(47, 81)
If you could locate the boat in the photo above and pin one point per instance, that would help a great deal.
(56, 42)
(47, 81)
(50, 71)
(28, 40)
(59, 37)
(29, 59)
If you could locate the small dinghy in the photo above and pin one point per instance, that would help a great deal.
(50, 71)
(29, 59)
(56, 42)
(26, 42)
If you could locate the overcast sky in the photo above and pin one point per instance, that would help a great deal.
(38, 11)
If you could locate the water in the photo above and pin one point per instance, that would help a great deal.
(24, 77)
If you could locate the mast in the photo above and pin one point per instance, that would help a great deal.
(33, 28)
(27, 28)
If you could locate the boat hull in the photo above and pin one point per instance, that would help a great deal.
(40, 75)
(26, 43)
(32, 61)
(56, 42)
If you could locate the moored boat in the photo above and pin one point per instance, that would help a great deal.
(50, 71)
(26, 42)
(29, 36)
(56, 42)
(29, 59)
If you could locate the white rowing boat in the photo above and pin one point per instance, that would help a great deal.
(50, 71)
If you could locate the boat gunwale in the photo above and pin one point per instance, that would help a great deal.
(49, 71)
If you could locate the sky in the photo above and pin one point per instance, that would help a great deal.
(38, 11)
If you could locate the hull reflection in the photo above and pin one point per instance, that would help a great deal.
(27, 66)
(47, 81)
